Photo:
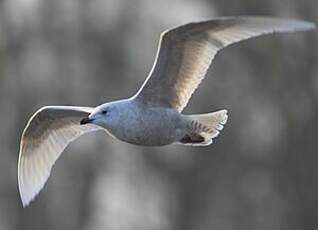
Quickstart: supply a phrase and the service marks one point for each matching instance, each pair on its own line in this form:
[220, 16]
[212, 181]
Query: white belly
[149, 127]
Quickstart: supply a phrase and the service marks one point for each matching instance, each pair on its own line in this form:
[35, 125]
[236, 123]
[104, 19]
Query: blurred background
[260, 173]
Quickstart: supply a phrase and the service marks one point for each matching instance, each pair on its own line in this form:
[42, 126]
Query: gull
[152, 117]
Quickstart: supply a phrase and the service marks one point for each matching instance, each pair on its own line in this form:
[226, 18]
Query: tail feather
[204, 127]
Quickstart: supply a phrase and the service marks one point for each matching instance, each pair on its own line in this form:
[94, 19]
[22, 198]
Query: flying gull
[152, 117]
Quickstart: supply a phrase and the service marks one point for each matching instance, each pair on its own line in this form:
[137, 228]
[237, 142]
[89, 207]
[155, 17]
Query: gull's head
[101, 116]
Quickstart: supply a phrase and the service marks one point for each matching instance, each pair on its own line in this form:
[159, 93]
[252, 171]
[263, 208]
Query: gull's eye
[104, 111]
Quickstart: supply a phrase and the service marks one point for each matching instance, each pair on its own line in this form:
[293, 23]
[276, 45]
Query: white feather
[46, 135]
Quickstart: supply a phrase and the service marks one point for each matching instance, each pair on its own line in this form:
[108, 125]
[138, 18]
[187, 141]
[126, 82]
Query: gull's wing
[46, 135]
[185, 53]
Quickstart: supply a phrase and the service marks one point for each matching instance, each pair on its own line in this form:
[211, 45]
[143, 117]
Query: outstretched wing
[46, 135]
[185, 54]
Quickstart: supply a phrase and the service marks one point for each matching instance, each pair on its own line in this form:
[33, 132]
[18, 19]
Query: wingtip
[26, 200]
[306, 25]
[297, 24]
[25, 203]
[312, 26]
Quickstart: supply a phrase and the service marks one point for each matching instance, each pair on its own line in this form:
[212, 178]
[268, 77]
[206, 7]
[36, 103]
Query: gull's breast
[149, 127]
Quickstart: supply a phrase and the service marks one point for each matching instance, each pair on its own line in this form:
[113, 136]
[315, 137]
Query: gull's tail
[204, 127]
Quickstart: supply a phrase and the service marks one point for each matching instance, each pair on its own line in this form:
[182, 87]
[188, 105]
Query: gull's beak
[86, 120]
